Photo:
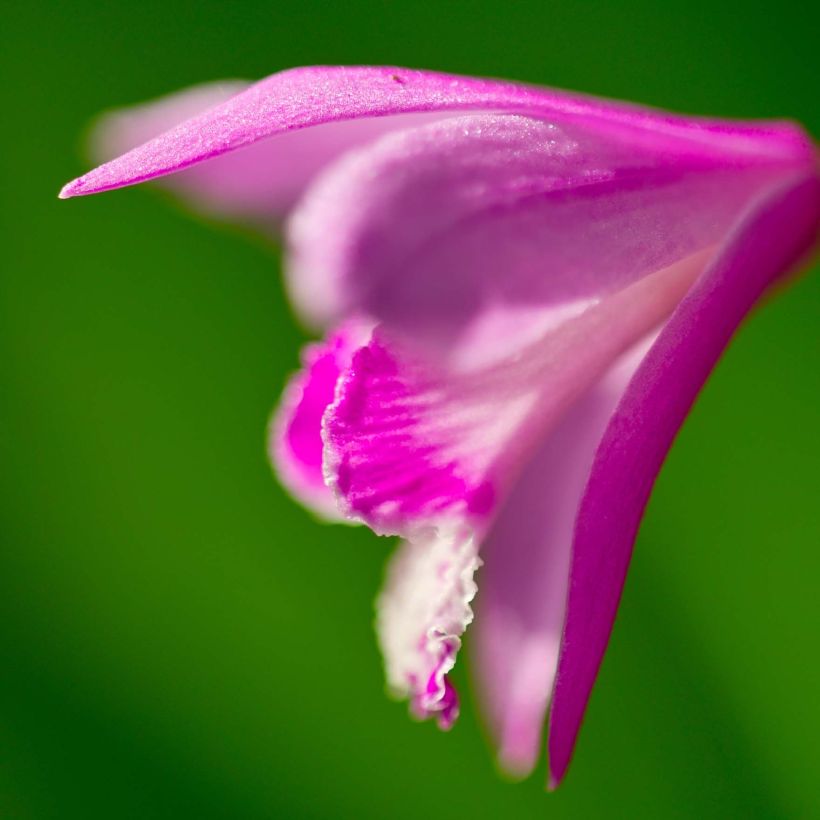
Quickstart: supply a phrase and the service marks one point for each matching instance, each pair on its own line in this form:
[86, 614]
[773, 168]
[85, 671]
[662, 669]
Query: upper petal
[306, 97]
[431, 227]
[776, 234]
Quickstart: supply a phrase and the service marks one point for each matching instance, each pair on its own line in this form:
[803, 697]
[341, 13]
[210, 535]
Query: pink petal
[259, 183]
[296, 429]
[122, 129]
[524, 582]
[772, 239]
[410, 444]
[306, 97]
[431, 227]
[421, 615]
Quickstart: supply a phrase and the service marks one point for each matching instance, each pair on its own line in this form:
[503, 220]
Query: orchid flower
[523, 292]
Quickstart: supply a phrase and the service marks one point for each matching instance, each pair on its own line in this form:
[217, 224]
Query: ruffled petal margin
[422, 613]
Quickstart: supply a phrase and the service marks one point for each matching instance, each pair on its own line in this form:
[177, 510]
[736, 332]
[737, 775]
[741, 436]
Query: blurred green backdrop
[177, 638]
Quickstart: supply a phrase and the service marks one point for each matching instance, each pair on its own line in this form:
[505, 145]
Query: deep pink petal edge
[305, 97]
[771, 240]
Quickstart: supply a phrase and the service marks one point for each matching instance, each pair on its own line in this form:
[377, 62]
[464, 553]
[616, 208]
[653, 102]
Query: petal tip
[71, 189]
[513, 768]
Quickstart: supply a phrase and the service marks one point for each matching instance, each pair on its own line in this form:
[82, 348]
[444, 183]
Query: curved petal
[526, 555]
[295, 439]
[432, 226]
[258, 184]
[422, 613]
[306, 97]
[775, 235]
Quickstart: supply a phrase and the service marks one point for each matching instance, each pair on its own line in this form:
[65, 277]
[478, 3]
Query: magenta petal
[296, 429]
[122, 129]
[305, 97]
[771, 240]
[410, 444]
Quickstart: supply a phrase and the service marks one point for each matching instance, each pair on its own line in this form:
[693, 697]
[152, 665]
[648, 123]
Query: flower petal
[117, 131]
[421, 615]
[774, 237]
[258, 184]
[305, 97]
[410, 443]
[295, 444]
[524, 581]
[431, 227]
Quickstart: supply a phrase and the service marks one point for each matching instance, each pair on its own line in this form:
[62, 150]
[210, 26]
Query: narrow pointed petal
[258, 184]
[772, 239]
[430, 228]
[526, 555]
[295, 444]
[315, 96]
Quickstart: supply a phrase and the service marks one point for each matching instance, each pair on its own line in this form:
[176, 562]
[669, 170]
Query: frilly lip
[421, 614]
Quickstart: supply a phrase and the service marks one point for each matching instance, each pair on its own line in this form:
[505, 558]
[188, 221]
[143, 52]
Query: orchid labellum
[523, 292]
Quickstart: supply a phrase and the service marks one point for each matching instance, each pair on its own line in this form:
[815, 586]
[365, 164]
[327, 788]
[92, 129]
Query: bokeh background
[177, 638]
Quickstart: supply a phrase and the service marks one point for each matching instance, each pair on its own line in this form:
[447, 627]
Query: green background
[177, 638]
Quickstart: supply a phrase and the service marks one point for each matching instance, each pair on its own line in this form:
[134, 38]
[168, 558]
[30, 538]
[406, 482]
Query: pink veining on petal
[385, 467]
[409, 444]
[773, 238]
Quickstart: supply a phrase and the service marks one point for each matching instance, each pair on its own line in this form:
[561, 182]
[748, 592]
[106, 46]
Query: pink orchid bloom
[524, 292]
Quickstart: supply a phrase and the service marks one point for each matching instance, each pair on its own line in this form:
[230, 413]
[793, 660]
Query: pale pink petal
[412, 444]
[306, 97]
[524, 582]
[429, 228]
[421, 615]
[258, 184]
[296, 428]
[771, 240]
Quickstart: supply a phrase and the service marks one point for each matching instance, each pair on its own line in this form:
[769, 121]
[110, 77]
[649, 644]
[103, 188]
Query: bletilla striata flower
[523, 292]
